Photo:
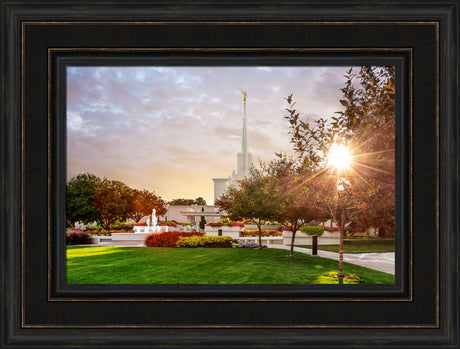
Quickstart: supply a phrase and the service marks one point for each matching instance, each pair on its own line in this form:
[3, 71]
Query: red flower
[166, 239]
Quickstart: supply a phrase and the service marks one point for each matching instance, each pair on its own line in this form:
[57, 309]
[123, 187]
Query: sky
[171, 130]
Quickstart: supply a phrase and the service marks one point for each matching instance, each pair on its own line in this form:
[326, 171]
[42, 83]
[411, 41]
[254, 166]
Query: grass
[150, 265]
[359, 246]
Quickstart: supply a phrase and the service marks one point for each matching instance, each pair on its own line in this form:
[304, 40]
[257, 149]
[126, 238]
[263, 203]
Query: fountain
[154, 220]
[152, 225]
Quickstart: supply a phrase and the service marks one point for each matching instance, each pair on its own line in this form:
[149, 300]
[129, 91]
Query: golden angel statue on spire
[244, 95]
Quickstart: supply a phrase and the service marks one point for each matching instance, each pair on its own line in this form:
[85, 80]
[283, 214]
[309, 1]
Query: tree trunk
[340, 273]
[291, 251]
[260, 234]
[381, 232]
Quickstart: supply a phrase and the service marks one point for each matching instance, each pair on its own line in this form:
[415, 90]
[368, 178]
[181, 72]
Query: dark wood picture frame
[40, 38]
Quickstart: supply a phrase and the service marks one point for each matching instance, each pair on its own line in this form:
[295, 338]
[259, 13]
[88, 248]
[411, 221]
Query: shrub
[123, 229]
[166, 239]
[312, 230]
[126, 226]
[204, 241]
[245, 244]
[286, 229]
[77, 237]
[100, 233]
[104, 232]
[331, 228]
[263, 233]
[214, 224]
[169, 224]
[202, 223]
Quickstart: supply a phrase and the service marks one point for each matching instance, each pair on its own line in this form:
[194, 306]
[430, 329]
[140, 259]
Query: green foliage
[312, 230]
[198, 201]
[143, 204]
[114, 201]
[289, 179]
[79, 202]
[204, 241]
[366, 126]
[254, 198]
[202, 223]
[91, 199]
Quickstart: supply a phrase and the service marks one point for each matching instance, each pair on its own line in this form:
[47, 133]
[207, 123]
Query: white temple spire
[244, 158]
[244, 140]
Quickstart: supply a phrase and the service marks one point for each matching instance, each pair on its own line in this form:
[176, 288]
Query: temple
[243, 163]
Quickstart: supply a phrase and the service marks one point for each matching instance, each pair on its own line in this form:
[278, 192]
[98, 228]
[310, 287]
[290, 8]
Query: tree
[79, 204]
[114, 200]
[144, 202]
[226, 202]
[370, 104]
[202, 223]
[254, 198]
[198, 201]
[295, 208]
[366, 127]
[336, 197]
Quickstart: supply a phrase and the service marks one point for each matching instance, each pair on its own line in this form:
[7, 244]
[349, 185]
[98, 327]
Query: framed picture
[195, 124]
[90, 87]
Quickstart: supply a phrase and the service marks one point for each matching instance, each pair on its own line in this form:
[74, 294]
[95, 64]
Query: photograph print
[230, 175]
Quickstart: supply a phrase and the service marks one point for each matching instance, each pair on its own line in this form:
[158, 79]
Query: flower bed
[204, 241]
[263, 233]
[245, 244]
[77, 237]
[168, 224]
[106, 232]
[166, 239]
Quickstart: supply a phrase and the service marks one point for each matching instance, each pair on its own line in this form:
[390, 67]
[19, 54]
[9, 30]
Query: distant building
[243, 163]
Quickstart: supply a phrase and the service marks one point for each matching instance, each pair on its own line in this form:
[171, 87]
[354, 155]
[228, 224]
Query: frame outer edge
[448, 181]
[12, 181]
[9, 218]
[2, 172]
[454, 150]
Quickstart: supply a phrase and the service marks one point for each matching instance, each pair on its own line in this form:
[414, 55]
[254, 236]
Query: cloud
[172, 129]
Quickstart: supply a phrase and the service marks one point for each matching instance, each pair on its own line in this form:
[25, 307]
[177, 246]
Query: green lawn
[150, 265]
[360, 246]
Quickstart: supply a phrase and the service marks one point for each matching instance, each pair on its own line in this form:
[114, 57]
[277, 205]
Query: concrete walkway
[378, 261]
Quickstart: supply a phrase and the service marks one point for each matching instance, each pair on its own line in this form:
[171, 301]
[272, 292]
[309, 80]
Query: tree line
[92, 199]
